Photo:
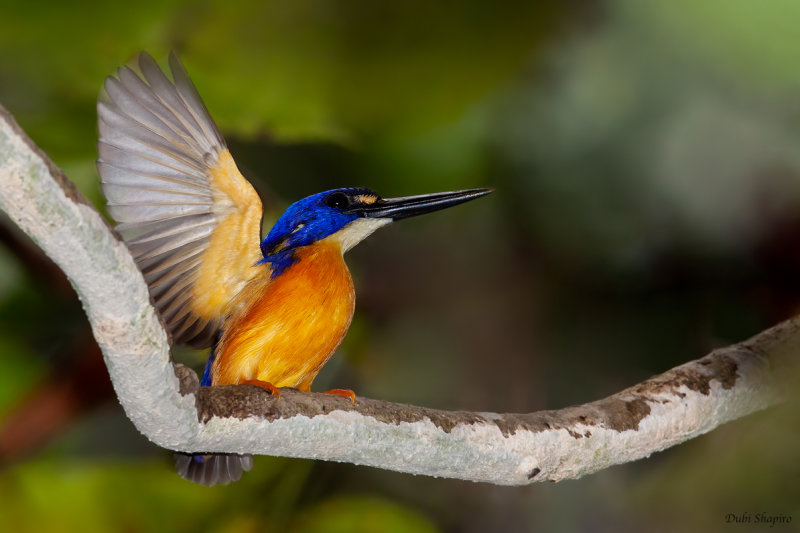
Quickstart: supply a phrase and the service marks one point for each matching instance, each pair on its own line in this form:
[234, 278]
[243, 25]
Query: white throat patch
[357, 231]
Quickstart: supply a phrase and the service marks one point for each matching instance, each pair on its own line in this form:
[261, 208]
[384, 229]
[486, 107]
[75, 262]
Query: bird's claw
[264, 385]
[346, 393]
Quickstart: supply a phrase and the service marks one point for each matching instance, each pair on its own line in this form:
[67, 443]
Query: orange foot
[264, 385]
[347, 393]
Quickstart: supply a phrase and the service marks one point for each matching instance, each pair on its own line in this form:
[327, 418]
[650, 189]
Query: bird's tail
[212, 469]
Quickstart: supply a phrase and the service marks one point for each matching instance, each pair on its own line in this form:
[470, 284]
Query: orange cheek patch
[367, 199]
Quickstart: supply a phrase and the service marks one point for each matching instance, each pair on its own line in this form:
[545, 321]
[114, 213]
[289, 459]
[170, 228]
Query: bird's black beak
[410, 206]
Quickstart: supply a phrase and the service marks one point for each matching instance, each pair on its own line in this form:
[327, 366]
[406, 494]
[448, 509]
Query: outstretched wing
[189, 217]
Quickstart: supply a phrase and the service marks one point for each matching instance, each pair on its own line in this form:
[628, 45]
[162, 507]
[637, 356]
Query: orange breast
[288, 327]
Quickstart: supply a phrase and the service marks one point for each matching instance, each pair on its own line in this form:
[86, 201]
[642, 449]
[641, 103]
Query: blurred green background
[646, 158]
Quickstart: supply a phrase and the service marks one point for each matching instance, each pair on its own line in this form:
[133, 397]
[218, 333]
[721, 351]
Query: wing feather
[189, 217]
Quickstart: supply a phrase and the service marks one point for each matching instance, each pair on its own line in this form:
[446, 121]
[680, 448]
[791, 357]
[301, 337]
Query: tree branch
[167, 405]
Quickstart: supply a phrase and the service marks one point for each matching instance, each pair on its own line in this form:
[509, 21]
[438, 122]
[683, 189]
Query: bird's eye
[337, 200]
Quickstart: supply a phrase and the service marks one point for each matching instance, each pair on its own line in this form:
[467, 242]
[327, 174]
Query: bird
[272, 311]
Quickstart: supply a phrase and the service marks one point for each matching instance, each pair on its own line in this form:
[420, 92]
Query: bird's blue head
[348, 214]
[312, 219]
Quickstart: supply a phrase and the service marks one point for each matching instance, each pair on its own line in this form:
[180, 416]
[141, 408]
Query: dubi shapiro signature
[758, 518]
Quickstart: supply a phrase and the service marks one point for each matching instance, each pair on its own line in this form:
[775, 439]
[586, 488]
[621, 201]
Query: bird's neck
[317, 264]
[343, 240]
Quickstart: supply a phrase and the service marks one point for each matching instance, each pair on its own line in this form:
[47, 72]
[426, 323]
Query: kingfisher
[271, 314]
